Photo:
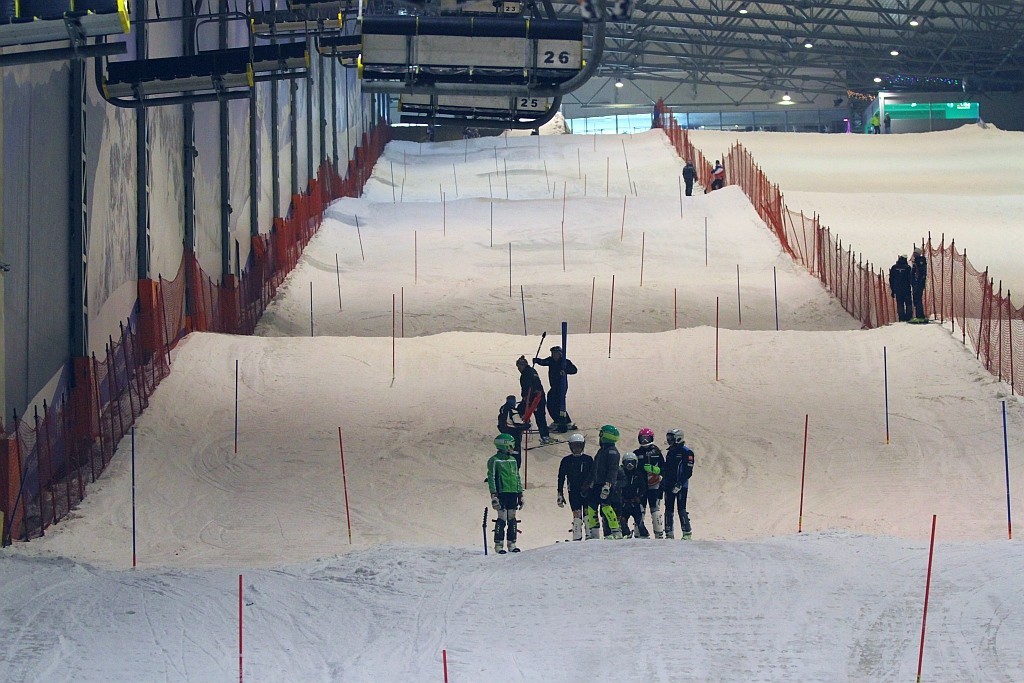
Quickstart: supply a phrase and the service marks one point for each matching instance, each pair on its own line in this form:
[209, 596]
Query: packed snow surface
[417, 318]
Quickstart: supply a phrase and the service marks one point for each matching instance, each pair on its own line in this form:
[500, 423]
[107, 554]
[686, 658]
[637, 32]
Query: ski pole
[484, 528]
[542, 335]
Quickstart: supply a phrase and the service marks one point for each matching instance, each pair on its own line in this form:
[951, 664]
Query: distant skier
[900, 286]
[559, 368]
[677, 472]
[575, 469]
[601, 491]
[633, 490]
[689, 175]
[918, 280]
[652, 462]
[717, 177]
[533, 395]
[507, 424]
[506, 492]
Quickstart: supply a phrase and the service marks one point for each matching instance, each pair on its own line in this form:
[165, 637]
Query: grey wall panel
[284, 140]
[167, 189]
[110, 177]
[301, 144]
[36, 229]
[265, 193]
[208, 190]
[238, 116]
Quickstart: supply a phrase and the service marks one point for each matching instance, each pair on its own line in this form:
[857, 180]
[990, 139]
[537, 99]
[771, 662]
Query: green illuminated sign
[932, 110]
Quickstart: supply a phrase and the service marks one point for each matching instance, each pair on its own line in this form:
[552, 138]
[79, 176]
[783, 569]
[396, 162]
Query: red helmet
[645, 436]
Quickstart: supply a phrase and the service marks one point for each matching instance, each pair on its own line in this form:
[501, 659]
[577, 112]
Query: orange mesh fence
[47, 460]
[956, 292]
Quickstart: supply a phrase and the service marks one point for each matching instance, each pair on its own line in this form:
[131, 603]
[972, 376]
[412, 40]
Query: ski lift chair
[29, 22]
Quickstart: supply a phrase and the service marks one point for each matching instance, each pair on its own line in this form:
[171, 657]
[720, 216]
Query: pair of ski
[619, 9]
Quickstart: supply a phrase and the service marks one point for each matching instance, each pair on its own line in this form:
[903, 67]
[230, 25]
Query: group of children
[606, 490]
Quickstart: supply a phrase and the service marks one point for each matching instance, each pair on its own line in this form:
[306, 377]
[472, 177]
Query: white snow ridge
[748, 599]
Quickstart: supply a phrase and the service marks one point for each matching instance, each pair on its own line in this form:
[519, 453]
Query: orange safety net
[956, 292]
[47, 460]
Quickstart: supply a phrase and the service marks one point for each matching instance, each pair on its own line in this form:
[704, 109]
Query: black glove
[495, 503]
[520, 505]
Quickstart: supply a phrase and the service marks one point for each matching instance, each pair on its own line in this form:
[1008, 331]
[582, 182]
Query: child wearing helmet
[652, 462]
[633, 487]
[677, 471]
[575, 469]
[507, 424]
[506, 491]
[602, 494]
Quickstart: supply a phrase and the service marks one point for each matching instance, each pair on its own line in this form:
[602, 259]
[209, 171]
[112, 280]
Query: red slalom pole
[803, 471]
[239, 628]
[927, 590]
[344, 484]
[675, 308]
[403, 312]
[444, 663]
[611, 314]
[622, 231]
[392, 335]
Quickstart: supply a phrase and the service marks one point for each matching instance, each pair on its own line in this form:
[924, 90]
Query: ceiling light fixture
[894, 53]
[808, 45]
[618, 84]
[786, 97]
[876, 79]
[743, 8]
[915, 22]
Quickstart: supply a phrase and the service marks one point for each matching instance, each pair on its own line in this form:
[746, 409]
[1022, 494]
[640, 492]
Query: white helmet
[629, 457]
[576, 443]
[674, 436]
[577, 438]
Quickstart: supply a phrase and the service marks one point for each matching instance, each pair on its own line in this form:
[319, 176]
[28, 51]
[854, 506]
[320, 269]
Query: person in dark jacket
[651, 461]
[633, 491]
[717, 177]
[533, 396]
[602, 494]
[900, 278]
[676, 484]
[918, 279]
[507, 424]
[575, 469]
[689, 175]
[559, 368]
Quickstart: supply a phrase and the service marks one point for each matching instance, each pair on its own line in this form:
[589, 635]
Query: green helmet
[504, 443]
[608, 434]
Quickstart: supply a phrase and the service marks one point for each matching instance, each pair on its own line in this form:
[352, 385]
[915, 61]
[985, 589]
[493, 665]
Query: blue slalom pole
[236, 405]
[565, 378]
[885, 369]
[1006, 459]
[133, 544]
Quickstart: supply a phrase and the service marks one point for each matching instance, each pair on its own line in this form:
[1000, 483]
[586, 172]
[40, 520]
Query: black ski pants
[634, 511]
[556, 406]
[918, 301]
[689, 187]
[903, 307]
[675, 501]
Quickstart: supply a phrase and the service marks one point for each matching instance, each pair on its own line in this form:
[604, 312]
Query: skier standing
[900, 286]
[918, 279]
[677, 471]
[507, 424]
[689, 175]
[506, 492]
[533, 395]
[633, 489]
[652, 462]
[575, 469]
[602, 494]
[559, 368]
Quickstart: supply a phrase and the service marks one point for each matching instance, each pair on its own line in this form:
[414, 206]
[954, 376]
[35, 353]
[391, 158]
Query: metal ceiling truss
[761, 45]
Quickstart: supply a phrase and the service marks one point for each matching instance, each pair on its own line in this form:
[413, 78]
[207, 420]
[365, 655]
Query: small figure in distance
[876, 125]
[689, 175]
[717, 177]
[506, 492]
[900, 277]
[507, 424]
[575, 470]
[652, 462]
[559, 367]
[888, 124]
[919, 278]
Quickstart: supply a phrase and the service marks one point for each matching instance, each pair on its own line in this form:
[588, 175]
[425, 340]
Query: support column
[78, 243]
[293, 87]
[309, 127]
[225, 152]
[142, 234]
[334, 112]
[254, 169]
[323, 109]
[275, 149]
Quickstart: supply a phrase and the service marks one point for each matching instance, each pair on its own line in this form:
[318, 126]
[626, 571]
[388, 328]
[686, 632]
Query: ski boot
[499, 548]
[577, 529]
[545, 440]
[616, 534]
[512, 547]
[669, 532]
[686, 536]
